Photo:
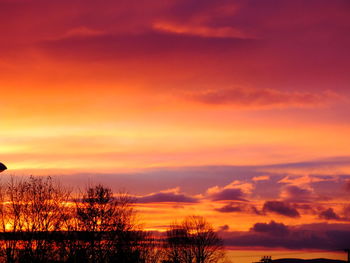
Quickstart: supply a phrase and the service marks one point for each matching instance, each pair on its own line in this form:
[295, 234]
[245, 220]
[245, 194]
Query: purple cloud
[280, 208]
[329, 214]
[163, 197]
[272, 228]
[239, 208]
[230, 208]
[314, 236]
[293, 193]
[234, 194]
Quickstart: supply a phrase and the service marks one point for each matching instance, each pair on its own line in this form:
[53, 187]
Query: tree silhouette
[193, 241]
[31, 211]
[109, 224]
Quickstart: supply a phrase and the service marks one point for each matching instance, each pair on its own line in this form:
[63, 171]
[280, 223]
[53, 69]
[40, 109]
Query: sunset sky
[237, 110]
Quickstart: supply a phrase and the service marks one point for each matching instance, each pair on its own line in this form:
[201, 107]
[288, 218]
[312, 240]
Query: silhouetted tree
[8, 251]
[193, 241]
[31, 211]
[109, 224]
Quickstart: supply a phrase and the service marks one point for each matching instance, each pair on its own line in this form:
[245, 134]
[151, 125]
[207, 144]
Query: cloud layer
[263, 98]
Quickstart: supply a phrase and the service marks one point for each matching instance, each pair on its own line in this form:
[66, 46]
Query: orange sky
[157, 95]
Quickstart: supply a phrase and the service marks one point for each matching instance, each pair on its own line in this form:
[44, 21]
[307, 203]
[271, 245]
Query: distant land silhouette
[317, 260]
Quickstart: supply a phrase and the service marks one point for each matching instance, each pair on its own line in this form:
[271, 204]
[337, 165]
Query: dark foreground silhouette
[40, 221]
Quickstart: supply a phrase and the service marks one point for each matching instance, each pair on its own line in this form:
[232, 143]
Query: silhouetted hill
[297, 260]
